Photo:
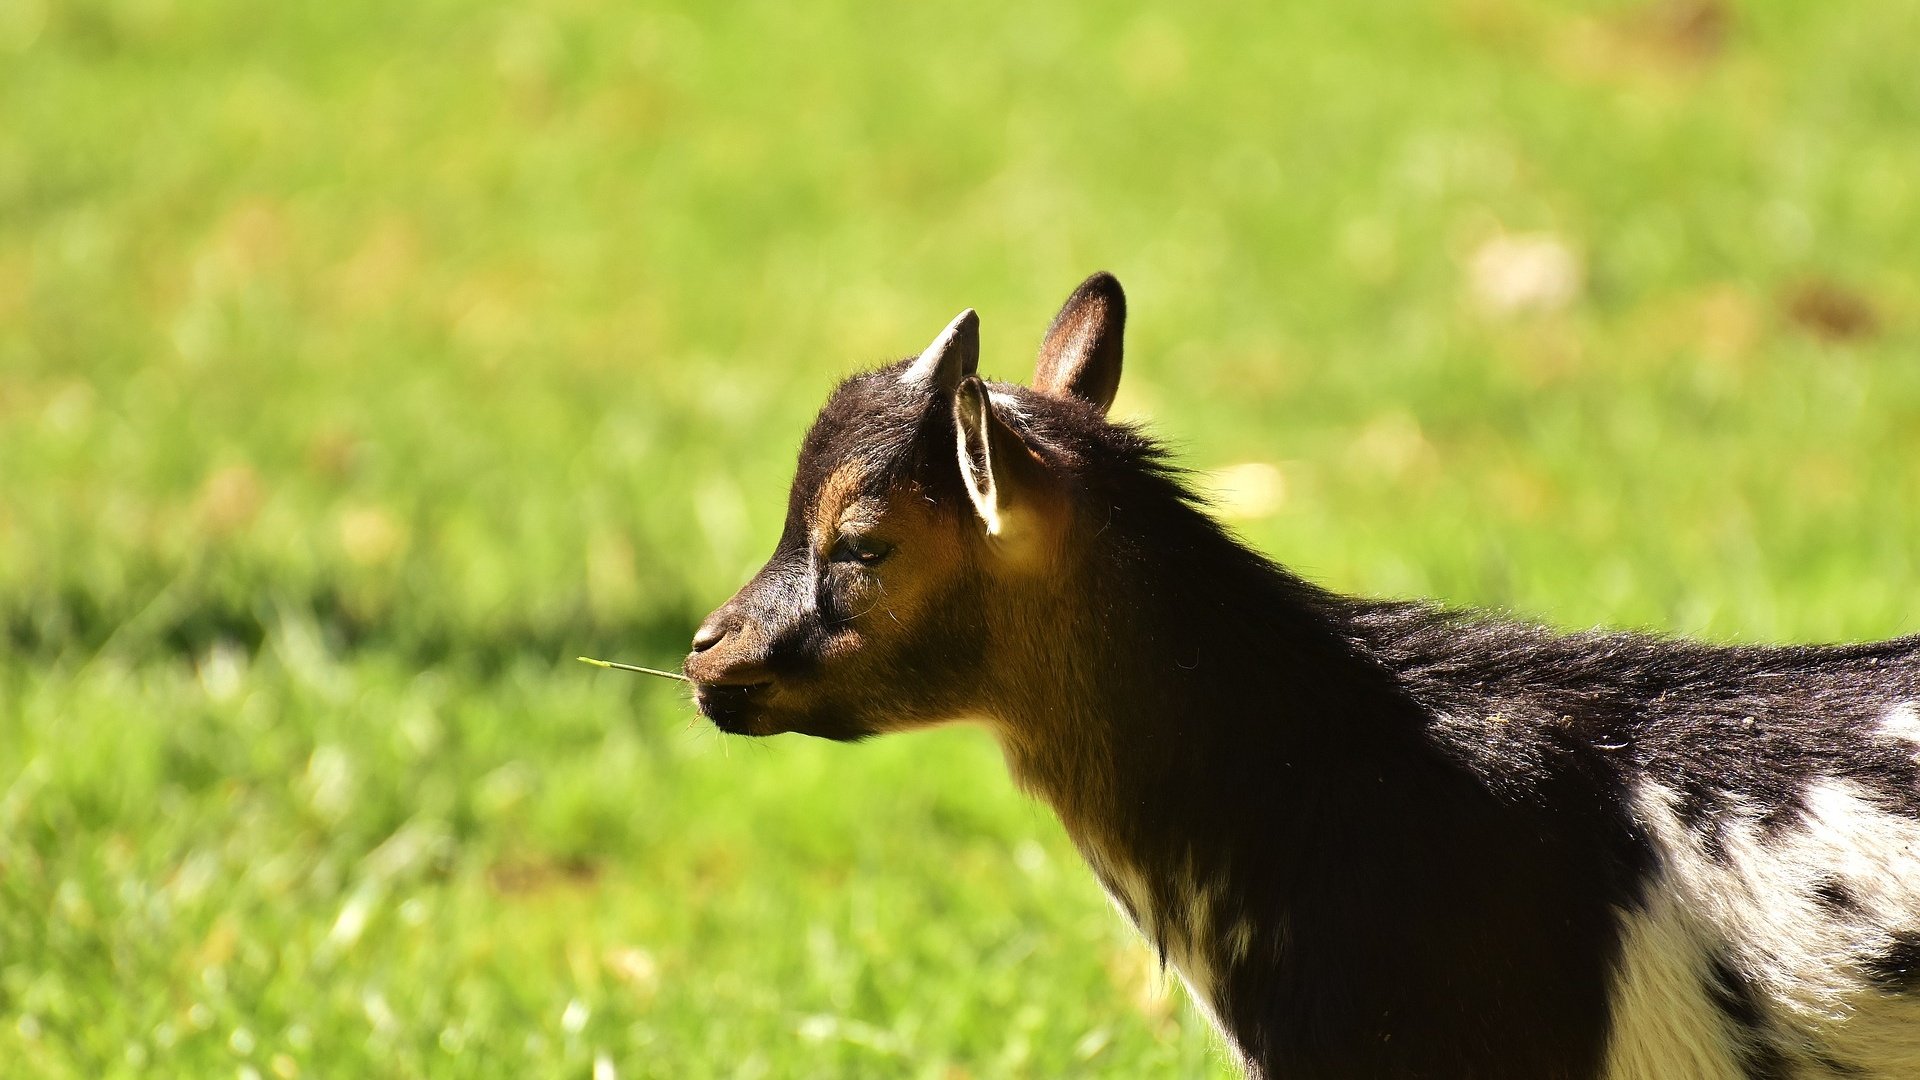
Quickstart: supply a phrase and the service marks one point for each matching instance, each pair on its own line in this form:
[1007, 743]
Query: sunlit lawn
[360, 364]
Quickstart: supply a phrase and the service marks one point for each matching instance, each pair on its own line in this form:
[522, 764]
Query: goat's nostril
[709, 634]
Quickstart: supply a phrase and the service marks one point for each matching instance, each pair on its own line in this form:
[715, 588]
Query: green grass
[361, 364]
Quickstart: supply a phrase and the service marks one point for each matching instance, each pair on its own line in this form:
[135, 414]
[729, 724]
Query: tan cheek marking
[841, 487]
[929, 552]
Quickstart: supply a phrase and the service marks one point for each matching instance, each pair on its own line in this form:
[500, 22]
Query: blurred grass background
[362, 363]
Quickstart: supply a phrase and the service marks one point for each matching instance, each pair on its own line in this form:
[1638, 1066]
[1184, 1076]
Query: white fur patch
[1185, 930]
[1126, 888]
[1005, 402]
[1902, 722]
[1240, 941]
[1664, 1022]
[1755, 905]
[1191, 947]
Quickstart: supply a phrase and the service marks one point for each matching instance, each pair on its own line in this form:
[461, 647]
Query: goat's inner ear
[1081, 354]
[995, 463]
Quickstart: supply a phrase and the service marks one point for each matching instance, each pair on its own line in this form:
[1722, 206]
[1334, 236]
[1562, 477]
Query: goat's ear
[953, 355]
[1081, 355]
[995, 464]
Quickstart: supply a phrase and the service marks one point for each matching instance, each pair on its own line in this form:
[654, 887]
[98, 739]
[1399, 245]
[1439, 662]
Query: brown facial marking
[929, 553]
[837, 493]
[908, 621]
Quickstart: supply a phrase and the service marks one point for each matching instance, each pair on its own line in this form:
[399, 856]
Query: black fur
[1896, 970]
[1834, 893]
[1737, 1000]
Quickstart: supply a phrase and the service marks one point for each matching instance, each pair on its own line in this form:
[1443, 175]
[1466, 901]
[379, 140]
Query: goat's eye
[865, 550]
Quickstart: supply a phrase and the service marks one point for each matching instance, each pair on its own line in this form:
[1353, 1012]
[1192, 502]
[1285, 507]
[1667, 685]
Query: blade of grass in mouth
[633, 667]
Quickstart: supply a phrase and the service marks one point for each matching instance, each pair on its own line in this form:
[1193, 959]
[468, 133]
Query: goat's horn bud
[953, 355]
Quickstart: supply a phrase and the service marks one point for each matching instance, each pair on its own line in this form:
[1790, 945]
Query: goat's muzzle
[729, 672]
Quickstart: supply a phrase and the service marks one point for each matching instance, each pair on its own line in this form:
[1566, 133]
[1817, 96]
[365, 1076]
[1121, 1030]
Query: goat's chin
[832, 728]
[738, 711]
[734, 710]
[818, 727]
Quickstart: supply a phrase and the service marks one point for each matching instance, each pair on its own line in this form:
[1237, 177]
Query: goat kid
[1375, 839]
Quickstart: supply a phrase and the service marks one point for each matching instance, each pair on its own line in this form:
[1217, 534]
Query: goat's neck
[1153, 705]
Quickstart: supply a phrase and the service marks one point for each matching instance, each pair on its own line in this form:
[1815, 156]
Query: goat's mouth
[753, 710]
[734, 708]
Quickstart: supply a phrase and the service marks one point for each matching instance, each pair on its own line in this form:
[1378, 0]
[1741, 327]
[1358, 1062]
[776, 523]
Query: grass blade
[633, 667]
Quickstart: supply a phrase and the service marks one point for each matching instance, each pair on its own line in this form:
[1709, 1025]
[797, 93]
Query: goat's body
[1473, 848]
[1773, 924]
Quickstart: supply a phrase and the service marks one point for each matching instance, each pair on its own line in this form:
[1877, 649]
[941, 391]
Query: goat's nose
[713, 631]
